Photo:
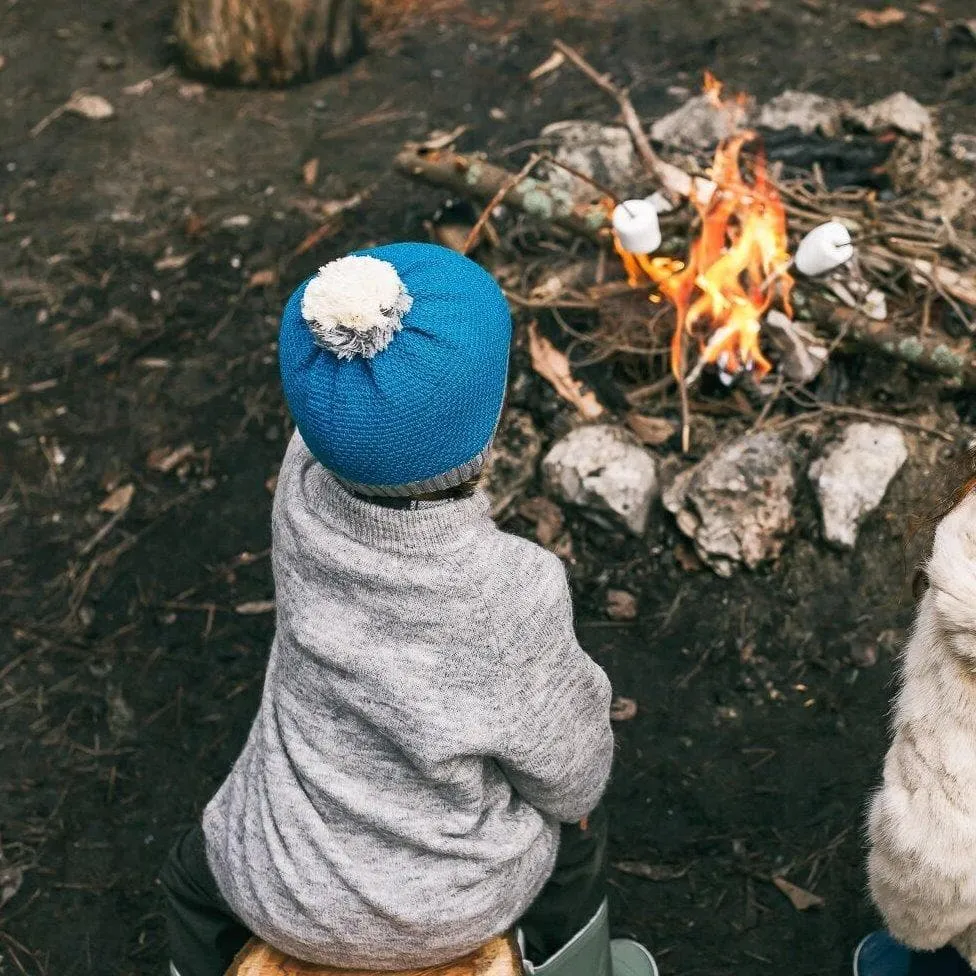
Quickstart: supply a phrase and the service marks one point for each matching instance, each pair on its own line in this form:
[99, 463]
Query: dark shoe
[880, 955]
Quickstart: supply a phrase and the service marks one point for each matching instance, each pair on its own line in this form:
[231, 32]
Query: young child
[922, 825]
[430, 731]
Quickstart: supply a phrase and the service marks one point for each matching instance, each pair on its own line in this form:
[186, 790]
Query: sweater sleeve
[922, 822]
[558, 745]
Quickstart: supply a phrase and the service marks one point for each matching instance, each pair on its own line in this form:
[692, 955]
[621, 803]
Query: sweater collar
[443, 525]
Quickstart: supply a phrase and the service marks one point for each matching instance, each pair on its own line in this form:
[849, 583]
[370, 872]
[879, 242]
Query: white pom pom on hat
[355, 305]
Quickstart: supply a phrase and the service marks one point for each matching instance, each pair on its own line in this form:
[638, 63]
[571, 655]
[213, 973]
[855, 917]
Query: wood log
[500, 957]
[267, 42]
[953, 361]
[472, 177]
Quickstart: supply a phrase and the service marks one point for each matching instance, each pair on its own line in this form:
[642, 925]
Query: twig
[683, 396]
[830, 408]
[48, 119]
[644, 393]
[769, 404]
[559, 164]
[499, 196]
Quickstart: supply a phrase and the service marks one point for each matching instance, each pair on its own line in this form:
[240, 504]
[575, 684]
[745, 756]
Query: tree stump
[267, 42]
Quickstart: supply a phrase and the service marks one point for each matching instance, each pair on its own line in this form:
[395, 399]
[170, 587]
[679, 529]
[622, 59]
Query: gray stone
[601, 466]
[852, 476]
[963, 147]
[898, 111]
[698, 124]
[737, 504]
[803, 110]
[511, 465]
[801, 354]
[605, 153]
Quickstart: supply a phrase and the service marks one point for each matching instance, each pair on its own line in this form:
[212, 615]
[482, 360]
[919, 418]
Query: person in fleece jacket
[430, 734]
[922, 823]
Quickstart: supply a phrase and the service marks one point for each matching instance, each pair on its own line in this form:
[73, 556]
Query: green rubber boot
[592, 953]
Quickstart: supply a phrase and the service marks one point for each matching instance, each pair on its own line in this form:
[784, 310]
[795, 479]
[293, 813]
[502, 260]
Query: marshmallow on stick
[826, 247]
[637, 227]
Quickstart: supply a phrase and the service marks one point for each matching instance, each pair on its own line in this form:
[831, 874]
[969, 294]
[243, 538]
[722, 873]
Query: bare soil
[143, 262]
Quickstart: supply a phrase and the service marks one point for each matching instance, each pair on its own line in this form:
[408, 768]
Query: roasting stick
[675, 181]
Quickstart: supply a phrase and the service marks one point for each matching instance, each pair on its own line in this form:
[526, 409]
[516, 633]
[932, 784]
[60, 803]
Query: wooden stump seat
[500, 957]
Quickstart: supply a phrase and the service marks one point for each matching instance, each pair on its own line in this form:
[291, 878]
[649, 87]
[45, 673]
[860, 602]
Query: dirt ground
[143, 261]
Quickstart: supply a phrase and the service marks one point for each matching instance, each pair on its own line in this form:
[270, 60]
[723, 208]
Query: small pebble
[621, 605]
[865, 657]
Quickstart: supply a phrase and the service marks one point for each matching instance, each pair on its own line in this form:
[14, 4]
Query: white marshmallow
[826, 247]
[637, 227]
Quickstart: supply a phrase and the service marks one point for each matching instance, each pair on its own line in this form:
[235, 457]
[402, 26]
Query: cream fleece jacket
[922, 823]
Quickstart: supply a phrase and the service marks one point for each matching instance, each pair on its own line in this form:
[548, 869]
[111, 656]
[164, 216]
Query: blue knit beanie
[394, 362]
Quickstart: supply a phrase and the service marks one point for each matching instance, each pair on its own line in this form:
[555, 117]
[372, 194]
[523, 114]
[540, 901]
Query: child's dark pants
[204, 936]
[945, 962]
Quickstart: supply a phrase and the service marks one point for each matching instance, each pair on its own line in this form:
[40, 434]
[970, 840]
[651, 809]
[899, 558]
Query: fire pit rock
[898, 111]
[737, 504]
[605, 153]
[601, 466]
[804, 111]
[697, 124]
[852, 476]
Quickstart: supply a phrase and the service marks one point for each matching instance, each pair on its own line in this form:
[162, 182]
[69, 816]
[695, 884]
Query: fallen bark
[479, 180]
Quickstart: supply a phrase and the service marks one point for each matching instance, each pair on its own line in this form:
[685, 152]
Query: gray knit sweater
[428, 718]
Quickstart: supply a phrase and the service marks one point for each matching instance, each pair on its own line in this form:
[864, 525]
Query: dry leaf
[317, 236]
[441, 140]
[310, 171]
[163, 459]
[263, 279]
[11, 878]
[118, 500]
[332, 208]
[653, 431]
[687, 558]
[92, 107]
[454, 236]
[651, 872]
[555, 60]
[554, 367]
[876, 19]
[172, 262]
[800, 898]
[253, 607]
[547, 516]
[622, 709]
[140, 88]
[192, 91]
[194, 225]
[621, 605]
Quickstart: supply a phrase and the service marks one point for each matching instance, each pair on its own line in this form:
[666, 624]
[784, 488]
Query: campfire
[737, 266]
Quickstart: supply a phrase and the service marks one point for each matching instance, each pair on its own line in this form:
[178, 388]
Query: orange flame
[736, 268]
